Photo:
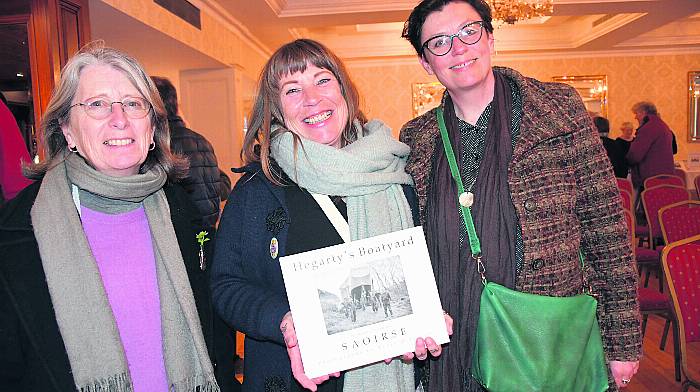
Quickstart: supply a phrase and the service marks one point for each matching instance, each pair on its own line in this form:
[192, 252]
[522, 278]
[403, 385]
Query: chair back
[680, 173]
[663, 179]
[626, 200]
[625, 185]
[629, 219]
[655, 198]
[681, 261]
[680, 220]
[697, 185]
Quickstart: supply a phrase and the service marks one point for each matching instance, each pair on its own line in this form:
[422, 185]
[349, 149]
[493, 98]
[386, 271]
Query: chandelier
[511, 11]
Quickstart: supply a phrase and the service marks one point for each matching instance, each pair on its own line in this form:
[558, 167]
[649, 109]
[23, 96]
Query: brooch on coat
[274, 223]
[201, 239]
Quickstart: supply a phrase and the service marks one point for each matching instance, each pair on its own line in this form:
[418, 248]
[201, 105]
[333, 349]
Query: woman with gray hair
[102, 281]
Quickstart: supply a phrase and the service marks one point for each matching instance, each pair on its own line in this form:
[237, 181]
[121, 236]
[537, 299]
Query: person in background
[625, 139]
[206, 184]
[307, 136]
[617, 159]
[101, 285]
[651, 151]
[542, 189]
[13, 152]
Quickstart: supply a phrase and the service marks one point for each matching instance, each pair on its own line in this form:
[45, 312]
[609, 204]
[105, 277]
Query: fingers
[288, 331]
[448, 323]
[623, 371]
[433, 348]
[298, 369]
[407, 357]
[421, 351]
[319, 380]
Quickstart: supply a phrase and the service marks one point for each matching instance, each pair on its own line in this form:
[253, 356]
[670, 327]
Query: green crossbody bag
[528, 342]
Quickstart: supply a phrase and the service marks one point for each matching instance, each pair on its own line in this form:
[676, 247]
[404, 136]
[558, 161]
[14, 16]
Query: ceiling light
[511, 11]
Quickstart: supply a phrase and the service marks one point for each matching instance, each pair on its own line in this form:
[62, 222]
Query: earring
[152, 146]
[73, 149]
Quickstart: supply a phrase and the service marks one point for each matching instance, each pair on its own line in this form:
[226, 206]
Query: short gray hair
[58, 111]
[646, 107]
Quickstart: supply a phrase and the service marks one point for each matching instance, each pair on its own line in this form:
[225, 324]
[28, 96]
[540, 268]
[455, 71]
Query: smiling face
[313, 105]
[116, 145]
[464, 67]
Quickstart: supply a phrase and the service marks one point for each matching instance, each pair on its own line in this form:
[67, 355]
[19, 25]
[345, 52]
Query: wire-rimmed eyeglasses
[99, 109]
[469, 34]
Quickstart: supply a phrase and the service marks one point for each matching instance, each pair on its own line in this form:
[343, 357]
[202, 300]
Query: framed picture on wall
[426, 96]
[593, 90]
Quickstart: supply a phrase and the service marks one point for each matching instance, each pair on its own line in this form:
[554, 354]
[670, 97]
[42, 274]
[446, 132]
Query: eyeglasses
[442, 44]
[99, 109]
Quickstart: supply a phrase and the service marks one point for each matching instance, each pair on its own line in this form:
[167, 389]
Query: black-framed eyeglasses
[99, 109]
[442, 44]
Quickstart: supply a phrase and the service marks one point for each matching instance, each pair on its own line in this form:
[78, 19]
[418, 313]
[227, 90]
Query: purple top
[131, 284]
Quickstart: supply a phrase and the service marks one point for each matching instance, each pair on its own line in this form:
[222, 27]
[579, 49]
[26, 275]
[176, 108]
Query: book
[363, 301]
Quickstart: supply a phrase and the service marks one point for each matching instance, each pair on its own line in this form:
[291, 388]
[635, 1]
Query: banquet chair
[678, 172]
[655, 302]
[626, 200]
[697, 185]
[680, 220]
[664, 179]
[641, 231]
[625, 184]
[653, 199]
[681, 261]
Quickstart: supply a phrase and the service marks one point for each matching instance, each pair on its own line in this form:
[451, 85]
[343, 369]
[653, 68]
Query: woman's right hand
[290, 340]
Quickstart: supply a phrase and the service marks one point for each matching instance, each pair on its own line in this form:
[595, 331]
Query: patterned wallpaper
[662, 79]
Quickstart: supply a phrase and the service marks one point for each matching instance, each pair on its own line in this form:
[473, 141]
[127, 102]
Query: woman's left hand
[427, 345]
[290, 340]
[623, 372]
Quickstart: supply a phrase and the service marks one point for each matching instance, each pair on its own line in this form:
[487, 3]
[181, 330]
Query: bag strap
[336, 218]
[474, 243]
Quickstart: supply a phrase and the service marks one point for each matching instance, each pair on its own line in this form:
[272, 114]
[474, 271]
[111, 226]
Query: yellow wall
[386, 87]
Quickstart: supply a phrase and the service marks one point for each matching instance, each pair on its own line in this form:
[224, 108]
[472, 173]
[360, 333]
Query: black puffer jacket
[206, 184]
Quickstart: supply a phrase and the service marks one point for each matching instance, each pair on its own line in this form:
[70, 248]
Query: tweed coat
[566, 199]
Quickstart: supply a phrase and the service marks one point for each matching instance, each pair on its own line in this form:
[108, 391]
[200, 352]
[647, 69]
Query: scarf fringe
[117, 383]
[196, 383]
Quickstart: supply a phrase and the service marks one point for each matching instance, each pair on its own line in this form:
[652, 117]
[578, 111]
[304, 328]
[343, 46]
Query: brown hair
[58, 111]
[267, 109]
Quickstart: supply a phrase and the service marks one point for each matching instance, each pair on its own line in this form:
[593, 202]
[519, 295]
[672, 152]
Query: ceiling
[357, 29]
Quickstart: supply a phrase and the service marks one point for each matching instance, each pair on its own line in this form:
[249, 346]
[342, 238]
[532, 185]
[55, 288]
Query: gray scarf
[368, 173]
[82, 309]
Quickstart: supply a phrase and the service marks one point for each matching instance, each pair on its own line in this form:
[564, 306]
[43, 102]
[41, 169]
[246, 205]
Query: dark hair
[602, 124]
[167, 93]
[413, 27]
[267, 109]
[58, 111]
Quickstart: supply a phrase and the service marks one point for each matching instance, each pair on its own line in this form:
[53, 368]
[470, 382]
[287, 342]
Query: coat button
[537, 264]
[530, 205]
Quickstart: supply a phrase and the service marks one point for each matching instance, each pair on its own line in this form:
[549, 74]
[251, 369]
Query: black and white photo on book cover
[363, 301]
